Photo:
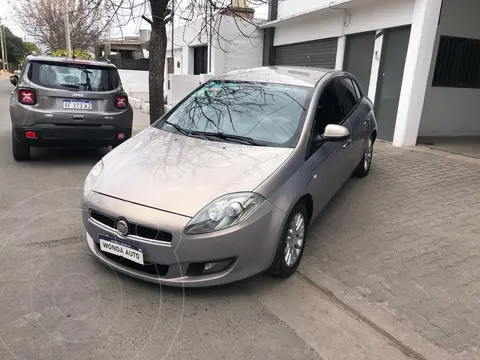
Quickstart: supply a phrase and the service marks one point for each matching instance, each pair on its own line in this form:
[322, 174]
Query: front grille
[134, 229]
[153, 269]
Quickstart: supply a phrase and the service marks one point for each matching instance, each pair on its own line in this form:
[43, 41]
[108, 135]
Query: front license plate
[117, 247]
[77, 104]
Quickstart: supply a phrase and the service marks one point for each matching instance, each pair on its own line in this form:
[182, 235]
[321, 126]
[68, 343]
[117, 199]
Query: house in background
[202, 50]
[126, 52]
[418, 60]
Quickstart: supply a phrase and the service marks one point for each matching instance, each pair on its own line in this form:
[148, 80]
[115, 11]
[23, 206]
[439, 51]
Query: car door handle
[347, 143]
[366, 121]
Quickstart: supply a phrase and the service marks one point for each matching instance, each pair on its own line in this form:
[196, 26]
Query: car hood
[181, 174]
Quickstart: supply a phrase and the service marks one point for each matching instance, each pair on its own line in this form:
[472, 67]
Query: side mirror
[14, 80]
[335, 133]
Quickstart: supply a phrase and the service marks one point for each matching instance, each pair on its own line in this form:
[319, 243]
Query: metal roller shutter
[320, 53]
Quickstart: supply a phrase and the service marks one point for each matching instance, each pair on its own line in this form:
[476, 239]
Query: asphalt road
[58, 302]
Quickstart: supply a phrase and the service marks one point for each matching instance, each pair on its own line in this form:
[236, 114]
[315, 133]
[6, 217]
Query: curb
[398, 332]
[146, 107]
[136, 103]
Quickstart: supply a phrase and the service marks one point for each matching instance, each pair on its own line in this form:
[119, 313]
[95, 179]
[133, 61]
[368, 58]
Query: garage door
[318, 53]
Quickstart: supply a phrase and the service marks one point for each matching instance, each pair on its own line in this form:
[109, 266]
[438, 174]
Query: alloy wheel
[295, 239]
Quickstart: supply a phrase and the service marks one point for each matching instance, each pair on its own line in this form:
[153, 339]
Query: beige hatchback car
[225, 184]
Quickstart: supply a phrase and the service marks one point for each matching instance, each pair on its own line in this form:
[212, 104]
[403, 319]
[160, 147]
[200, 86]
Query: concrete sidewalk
[402, 250]
[141, 121]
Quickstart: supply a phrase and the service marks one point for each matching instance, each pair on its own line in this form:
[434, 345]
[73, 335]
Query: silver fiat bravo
[225, 184]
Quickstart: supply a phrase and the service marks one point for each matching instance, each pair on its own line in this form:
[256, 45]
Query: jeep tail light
[27, 97]
[30, 134]
[121, 101]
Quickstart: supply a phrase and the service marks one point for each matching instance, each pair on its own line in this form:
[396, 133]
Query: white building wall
[361, 16]
[240, 51]
[235, 44]
[287, 8]
[453, 111]
[135, 83]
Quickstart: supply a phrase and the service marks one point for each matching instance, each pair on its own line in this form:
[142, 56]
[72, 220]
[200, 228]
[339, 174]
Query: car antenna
[306, 62]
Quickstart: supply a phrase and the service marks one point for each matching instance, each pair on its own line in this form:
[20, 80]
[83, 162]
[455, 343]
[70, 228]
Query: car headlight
[92, 178]
[224, 212]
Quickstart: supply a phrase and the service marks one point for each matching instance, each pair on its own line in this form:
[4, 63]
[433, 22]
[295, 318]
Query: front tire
[363, 167]
[291, 244]
[20, 151]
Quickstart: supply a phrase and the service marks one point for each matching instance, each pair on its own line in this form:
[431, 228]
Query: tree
[44, 21]
[15, 47]
[207, 13]
[77, 53]
[31, 47]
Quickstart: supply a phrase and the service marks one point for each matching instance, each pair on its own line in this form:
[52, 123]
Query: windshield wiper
[73, 86]
[227, 137]
[184, 131]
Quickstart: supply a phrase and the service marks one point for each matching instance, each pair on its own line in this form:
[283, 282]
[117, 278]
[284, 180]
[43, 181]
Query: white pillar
[218, 58]
[377, 55]
[426, 14]
[342, 40]
[187, 60]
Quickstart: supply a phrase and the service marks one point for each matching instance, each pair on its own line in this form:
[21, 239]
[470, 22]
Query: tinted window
[269, 113]
[348, 96]
[328, 109]
[74, 76]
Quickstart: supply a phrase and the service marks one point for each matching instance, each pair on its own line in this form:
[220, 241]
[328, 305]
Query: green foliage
[15, 47]
[29, 48]
[78, 54]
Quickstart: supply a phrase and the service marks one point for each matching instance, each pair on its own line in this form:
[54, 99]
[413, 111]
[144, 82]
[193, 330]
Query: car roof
[287, 75]
[70, 61]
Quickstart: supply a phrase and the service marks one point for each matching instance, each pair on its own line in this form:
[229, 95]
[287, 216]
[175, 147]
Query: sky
[131, 28]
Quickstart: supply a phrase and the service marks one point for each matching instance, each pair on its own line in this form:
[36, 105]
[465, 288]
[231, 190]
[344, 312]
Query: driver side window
[328, 111]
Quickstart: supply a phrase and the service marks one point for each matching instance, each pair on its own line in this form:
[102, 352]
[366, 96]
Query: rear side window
[66, 76]
[348, 96]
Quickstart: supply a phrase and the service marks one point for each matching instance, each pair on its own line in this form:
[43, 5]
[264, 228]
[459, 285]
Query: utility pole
[5, 45]
[3, 49]
[173, 32]
[67, 30]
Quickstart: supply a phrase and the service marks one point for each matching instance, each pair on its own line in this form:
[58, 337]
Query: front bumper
[72, 135]
[249, 247]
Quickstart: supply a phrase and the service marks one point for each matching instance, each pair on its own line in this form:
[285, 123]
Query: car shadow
[61, 156]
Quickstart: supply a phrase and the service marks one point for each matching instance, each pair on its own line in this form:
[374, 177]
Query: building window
[458, 63]
[170, 64]
[200, 60]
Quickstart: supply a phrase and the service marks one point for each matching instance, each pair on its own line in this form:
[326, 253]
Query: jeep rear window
[68, 76]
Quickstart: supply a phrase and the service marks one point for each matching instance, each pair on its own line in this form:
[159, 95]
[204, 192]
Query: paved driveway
[409, 240]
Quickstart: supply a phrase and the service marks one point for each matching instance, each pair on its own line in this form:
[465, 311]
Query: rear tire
[363, 167]
[292, 241]
[20, 151]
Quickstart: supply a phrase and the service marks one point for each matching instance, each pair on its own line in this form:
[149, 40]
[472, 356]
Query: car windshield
[83, 77]
[259, 113]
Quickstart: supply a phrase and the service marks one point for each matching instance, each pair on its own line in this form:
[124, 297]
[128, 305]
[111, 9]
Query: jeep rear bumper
[72, 135]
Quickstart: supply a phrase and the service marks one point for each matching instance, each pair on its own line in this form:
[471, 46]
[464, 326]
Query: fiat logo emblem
[122, 227]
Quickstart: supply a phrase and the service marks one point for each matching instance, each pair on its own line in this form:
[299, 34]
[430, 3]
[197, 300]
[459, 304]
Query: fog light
[121, 136]
[30, 134]
[198, 269]
[208, 266]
